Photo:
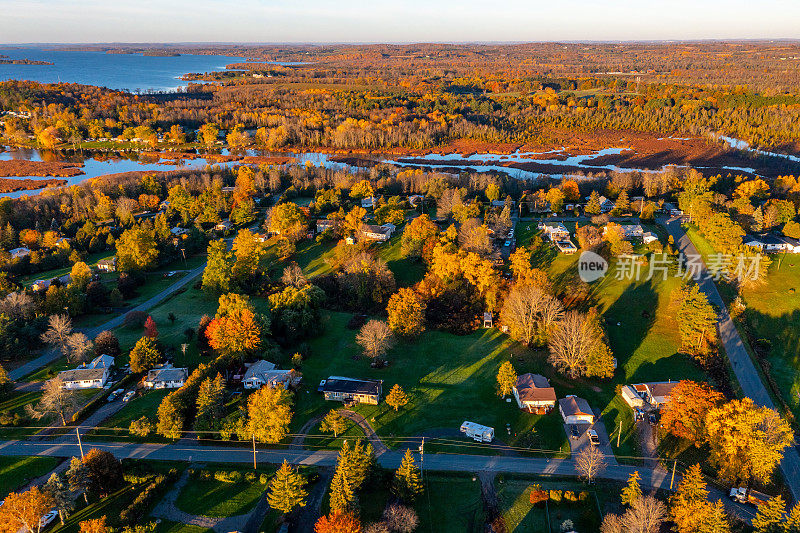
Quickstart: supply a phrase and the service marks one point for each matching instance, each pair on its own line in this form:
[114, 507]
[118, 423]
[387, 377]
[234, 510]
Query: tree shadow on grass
[630, 318]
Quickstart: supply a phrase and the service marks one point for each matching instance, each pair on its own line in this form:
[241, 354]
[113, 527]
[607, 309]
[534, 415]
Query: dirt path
[377, 444]
[491, 503]
[312, 511]
[297, 442]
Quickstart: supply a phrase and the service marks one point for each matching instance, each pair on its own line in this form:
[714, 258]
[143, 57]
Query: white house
[575, 410]
[631, 397]
[263, 373]
[772, 243]
[534, 393]
[326, 224]
[166, 377]
[656, 393]
[648, 237]
[93, 375]
[225, 225]
[342, 389]
[377, 233]
[19, 252]
[368, 202]
[555, 231]
[108, 265]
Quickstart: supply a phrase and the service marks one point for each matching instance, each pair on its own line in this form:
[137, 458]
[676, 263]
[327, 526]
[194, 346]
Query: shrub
[263, 479]
[583, 496]
[538, 495]
[225, 476]
[569, 496]
[141, 427]
[135, 319]
[135, 512]
[555, 495]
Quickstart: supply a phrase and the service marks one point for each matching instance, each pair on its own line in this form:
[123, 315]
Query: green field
[209, 497]
[18, 471]
[145, 404]
[451, 503]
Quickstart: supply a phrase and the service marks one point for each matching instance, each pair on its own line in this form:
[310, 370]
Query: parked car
[321, 386]
[593, 437]
[128, 396]
[507, 243]
[652, 419]
[574, 432]
[745, 495]
[46, 519]
[638, 414]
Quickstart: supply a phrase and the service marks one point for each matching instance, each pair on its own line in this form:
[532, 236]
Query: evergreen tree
[79, 477]
[506, 379]
[632, 491]
[342, 496]
[407, 484]
[357, 462]
[287, 489]
[593, 207]
[792, 524]
[770, 516]
[713, 519]
[59, 492]
[623, 203]
[397, 397]
[210, 408]
[758, 220]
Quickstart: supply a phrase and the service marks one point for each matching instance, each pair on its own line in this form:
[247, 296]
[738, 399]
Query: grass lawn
[449, 379]
[142, 405]
[91, 260]
[451, 503]
[111, 507]
[49, 371]
[17, 471]
[209, 497]
[773, 313]
[167, 526]
[521, 516]
[642, 332]
[14, 404]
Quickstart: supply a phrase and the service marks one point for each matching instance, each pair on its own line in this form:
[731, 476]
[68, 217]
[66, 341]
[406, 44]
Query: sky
[338, 21]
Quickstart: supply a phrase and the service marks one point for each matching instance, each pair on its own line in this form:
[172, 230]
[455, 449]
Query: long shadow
[635, 312]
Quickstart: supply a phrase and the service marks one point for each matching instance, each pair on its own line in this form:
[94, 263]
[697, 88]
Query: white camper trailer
[477, 432]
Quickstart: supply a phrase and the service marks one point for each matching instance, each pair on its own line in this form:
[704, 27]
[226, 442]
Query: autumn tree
[59, 329]
[105, 471]
[208, 134]
[96, 525]
[530, 313]
[418, 232]
[293, 275]
[287, 221]
[354, 220]
[632, 491]
[590, 463]
[342, 494]
[397, 397]
[78, 477]
[696, 319]
[80, 275]
[56, 400]
[770, 517]
[407, 483]
[150, 328]
[219, 268]
[287, 489]
[406, 312]
[645, 515]
[376, 338]
[506, 379]
[249, 253]
[269, 414]
[334, 423]
[58, 490]
[593, 206]
[338, 522]
[690, 509]
[578, 346]
[685, 414]
[238, 332]
[145, 354]
[210, 403]
[747, 441]
[136, 249]
[23, 511]
[106, 343]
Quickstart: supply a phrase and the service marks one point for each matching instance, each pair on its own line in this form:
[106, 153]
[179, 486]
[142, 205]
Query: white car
[128, 396]
[593, 437]
[46, 519]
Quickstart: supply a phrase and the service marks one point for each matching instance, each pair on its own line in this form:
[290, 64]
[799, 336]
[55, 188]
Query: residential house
[606, 205]
[415, 199]
[631, 397]
[377, 233]
[177, 232]
[341, 389]
[93, 375]
[108, 265]
[502, 203]
[770, 243]
[63, 242]
[44, 284]
[656, 394]
[324, 224]
[555, 231]
[629, 231]
[671, 210]
[19, 252]
[648, 237]
[367, 203]
[263, 373]
[566, 246]
[166, 377]
[575, 410]
[225, 225]
[534, 393]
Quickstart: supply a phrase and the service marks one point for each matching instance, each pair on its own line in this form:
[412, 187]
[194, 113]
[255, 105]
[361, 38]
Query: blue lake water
[132, 72]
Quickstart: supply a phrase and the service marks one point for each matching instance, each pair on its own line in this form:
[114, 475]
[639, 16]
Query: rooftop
[352, 386]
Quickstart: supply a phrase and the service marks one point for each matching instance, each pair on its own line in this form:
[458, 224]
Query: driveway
[742, 365]
[577, 445]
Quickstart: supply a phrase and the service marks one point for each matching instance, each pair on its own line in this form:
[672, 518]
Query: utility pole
[80, 446]
[671, 481]
[619, 433]
[255, 467]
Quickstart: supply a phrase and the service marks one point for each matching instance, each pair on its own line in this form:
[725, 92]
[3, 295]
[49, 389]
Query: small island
[22, 61]
[24, 168]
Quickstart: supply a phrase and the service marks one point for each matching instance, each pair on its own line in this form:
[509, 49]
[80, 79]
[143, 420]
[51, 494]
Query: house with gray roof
[166, 377]
[92, 375]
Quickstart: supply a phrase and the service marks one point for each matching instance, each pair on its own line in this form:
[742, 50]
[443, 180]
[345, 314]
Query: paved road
[743, 366]
[651, 478]
[52, 355]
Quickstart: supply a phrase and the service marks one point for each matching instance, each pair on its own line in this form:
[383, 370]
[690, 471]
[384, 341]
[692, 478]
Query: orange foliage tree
[24, 510]
[237, 332]
[338, 522]
[685, 414]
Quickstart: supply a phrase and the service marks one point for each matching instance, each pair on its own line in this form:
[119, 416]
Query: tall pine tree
[407, 484]
[342, 497]
[287, 489]
[632, 491]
